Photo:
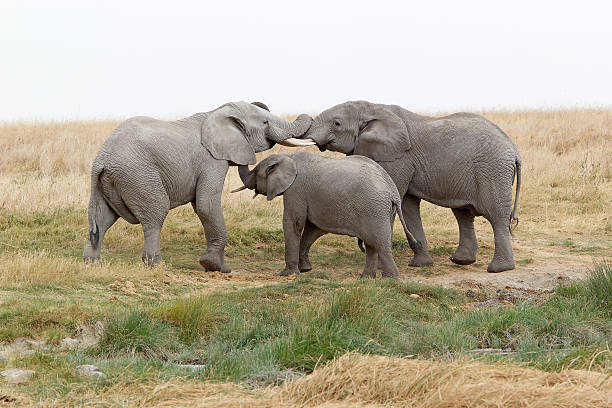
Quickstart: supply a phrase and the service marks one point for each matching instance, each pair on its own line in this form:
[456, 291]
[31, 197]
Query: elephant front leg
[210, 213]
[292, 230]
[309, 236]
[468, 244]
[412, 215]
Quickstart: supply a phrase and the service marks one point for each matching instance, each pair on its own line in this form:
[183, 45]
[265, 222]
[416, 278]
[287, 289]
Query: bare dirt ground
[537, 278]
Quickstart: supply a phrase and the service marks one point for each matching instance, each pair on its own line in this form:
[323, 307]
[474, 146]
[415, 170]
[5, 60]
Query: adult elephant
[147, 167]
[461, 161]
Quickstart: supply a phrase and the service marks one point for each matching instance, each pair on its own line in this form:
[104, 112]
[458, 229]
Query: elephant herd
[395, 158]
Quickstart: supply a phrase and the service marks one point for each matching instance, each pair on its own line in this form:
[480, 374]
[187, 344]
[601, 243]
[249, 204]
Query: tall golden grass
[567, 166]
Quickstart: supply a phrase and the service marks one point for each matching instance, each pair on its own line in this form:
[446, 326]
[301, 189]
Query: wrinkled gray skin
[147, 167]
[461, 161]
[349, 196]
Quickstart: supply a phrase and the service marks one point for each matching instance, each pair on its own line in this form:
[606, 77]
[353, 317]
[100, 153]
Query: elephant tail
[414, 244]
[94, 206]
[513, 215]
[360, 245]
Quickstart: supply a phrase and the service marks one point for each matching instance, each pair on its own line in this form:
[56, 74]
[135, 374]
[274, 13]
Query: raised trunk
[288, 133]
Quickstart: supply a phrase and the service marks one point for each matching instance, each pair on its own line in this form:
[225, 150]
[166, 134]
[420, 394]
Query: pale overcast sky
[115, 59]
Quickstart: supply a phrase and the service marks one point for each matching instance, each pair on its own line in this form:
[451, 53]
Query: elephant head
[271, 177]
[237, 130]
[363, 128]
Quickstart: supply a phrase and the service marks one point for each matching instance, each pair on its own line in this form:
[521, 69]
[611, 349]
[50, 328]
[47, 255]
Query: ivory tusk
[238, 189]
[293, 142]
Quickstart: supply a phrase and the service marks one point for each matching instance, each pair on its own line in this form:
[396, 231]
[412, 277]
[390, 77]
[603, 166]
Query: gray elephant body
[461, 161]
[147, 167]
[349, 196]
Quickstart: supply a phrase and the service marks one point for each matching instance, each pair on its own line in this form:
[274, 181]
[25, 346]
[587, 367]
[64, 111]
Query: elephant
[349, 196]
[461, 161]
[147, 167]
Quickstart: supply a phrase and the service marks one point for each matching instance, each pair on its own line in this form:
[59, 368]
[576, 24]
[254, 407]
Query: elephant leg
[151, 253]
[293, 226]
[208, 208]
[210, 214]
[468, 244]
[105, 219]
[503, 258]
[412, 215]
[388, 266]
[309, 236]
[369, 270]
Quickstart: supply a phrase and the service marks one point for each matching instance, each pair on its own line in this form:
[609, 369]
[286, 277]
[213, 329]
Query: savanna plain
[440, 336]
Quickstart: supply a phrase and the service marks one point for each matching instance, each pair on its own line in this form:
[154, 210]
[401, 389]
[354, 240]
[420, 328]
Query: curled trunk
[289, 133]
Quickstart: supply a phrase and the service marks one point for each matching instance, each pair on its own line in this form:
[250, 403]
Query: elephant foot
[289, 271]
[90, 259]
[461, 257]
[421, 259]
[389, 275]
[151, 260]
[368, 275]
[495, 267]
[211, 262]
[90, 255]
[305, 266]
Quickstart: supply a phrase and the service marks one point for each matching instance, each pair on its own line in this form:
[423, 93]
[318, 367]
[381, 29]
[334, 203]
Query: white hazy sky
[115, 59]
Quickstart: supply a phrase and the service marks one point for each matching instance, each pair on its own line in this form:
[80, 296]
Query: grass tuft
[135, 333]
[599, 286]
[194, 317]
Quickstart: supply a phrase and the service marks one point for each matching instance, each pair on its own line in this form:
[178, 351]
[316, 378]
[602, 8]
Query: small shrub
[136, 333]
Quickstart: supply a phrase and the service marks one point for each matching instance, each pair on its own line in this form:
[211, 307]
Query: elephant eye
[265, 122]
[336, 123]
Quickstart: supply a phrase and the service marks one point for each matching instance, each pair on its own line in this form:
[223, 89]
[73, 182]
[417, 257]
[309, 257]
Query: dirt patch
[541, 278]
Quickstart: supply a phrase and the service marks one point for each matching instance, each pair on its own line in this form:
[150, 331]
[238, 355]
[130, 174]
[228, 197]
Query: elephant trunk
[317, 133]
[247, 176]
[289, 133]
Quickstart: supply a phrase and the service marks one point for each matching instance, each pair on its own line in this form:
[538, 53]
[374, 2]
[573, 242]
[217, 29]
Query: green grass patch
[136, 333]
[194, 317]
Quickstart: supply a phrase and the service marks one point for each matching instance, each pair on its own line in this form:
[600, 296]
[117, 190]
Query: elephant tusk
[238, 189]
[293, 142]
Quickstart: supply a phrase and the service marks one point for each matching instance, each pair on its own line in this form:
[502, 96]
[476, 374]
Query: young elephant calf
[350, 196]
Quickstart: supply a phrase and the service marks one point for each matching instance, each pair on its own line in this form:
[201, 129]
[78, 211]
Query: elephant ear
[281, 172]
[223, 135]
[383, 135]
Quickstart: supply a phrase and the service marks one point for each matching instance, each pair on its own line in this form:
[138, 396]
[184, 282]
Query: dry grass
[566, 192]
[18, 269]
[374, 381]
[567, 171]
[418, 383]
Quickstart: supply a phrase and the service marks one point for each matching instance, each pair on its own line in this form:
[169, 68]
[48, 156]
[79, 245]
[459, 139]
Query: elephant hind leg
[468, 244]
[371, 265]
[149, 205]
[412, 215]
[151, 253]
[105, 217]
[503, 258]
[388, 266]
[309, 236]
